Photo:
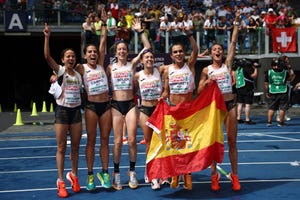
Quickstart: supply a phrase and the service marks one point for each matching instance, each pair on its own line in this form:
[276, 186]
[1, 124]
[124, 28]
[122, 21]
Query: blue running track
[268, 168]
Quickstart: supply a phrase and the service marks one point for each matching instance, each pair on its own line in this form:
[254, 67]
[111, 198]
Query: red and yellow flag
[187, 137]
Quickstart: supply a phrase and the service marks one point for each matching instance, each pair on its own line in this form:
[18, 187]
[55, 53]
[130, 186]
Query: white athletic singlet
[122, 77]
[150, 86]
[71, 86]
[223, 78]
[95, 80]
[181, 81]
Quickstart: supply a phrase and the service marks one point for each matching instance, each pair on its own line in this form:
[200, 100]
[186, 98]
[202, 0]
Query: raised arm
[51, 62]
[136, 26]
[103, 38]
[231, 52]
[194, 55]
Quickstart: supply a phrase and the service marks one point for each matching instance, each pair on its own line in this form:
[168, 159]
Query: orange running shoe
[236, 186]
[174, 182]
[74, 182]
[215, 186]
[188, 184]
[61, 189]
[143, 141]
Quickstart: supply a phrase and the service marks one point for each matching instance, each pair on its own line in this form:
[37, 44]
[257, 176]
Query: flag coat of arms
[284, 39]
[187, 137]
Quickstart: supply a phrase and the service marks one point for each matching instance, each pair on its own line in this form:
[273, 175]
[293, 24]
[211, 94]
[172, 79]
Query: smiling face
[177, 53]
[217, 52]
[91, 55]
[147, 60]
[69, 58]
[121, 51]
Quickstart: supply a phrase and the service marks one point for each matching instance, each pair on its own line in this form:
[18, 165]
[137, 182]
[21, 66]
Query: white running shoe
[133, 182]
[155, 184]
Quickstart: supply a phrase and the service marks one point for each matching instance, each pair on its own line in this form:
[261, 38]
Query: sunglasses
[178, 51]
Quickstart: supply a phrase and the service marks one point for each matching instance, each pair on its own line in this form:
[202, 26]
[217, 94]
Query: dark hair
[86, 46]
[62, 54]
[146, 51]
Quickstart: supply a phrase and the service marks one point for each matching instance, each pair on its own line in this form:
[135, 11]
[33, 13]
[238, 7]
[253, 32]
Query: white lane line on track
[139, 166]
[143, 153]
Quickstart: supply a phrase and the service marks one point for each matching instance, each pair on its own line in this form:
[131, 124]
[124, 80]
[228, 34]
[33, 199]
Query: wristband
[235, 23]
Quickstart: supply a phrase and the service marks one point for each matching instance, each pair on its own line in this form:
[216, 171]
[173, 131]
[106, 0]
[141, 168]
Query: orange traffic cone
[19, 121]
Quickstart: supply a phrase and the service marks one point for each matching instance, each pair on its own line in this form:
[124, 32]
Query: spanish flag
[187, 137]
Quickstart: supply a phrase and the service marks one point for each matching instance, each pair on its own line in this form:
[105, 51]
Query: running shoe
[74, 182]
[125, 141]
[269, 124]
[164, 181]
[133, 182]
[281, 124]
[155, 184]
[240, 121]
[143, 141]
[90, 185]
[174, 182]
[116, 184]
[250, 122]
[104, 178]
[188, 184]
[215, 186]
[61, 189]
[146, 178]
[236, 186]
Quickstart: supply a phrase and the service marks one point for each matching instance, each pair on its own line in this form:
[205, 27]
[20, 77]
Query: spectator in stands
[88, 30]
[112, 31]
[187, 24]
[162, 32]
[98, 27]
[114, 9]
[242, 34]
[245, 75]
[123, 107]
[123, 31]
[198, 22]
[153, 27]
[169, 10]
[207, 3]
[209, 27]
[210, 12]
[221, 72]
[175, 30]
[255, 14]
[270, 21]
[134, 6]
[67, 114]
[221, 30]
[276, 89]
[253, 34]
